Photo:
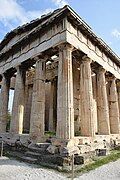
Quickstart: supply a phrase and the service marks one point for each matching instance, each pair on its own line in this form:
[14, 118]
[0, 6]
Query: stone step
[43, 145]
[33, 157]
[22, 157]
[39, 147]
[45, 159]
[33, 154]
[29, 159]
[37, 150]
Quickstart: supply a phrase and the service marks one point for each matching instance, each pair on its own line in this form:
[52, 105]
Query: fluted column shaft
[86, 98]
[37, 120]
[27, 111]
[119, 99]
[114, 108]
[4, 98]
[65, 110]
[16, 125]
[102, 104]
[52, 120]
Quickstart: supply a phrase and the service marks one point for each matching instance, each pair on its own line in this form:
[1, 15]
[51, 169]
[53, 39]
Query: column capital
[65, 46]
[85, 59]
[41, 58]
[118, 82]
[101, 70]
[111, 78]
[5, 75]
[21, 70]
[17, 66]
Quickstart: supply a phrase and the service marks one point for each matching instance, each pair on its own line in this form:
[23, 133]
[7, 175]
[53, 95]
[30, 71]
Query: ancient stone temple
[66, 81]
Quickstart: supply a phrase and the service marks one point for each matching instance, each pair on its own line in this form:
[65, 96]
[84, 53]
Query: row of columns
[108, 117]
[16, 125]
[107, 108]
[107, 105]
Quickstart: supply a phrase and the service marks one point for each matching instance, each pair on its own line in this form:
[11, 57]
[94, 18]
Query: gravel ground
[15, 170]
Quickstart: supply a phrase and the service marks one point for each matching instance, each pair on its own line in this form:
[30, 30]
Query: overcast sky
[102, 15]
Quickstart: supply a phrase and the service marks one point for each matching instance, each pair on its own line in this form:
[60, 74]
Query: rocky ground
[15, 170]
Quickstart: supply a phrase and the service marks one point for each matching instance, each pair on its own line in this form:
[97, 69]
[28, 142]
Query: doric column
[37, 120]
[102, 104]
[113, 108]
[65, 110]
[94, 80]
[86, 98]
[52, 118]
[16, 125]
[118, 88]
[4, 102]
[27, 111]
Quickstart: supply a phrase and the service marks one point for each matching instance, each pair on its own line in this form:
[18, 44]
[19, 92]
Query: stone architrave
[65, 109]
[114, 108]
[16, 125]
[37, 120]
[102, 104]
[4, 102]
[86, 98]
